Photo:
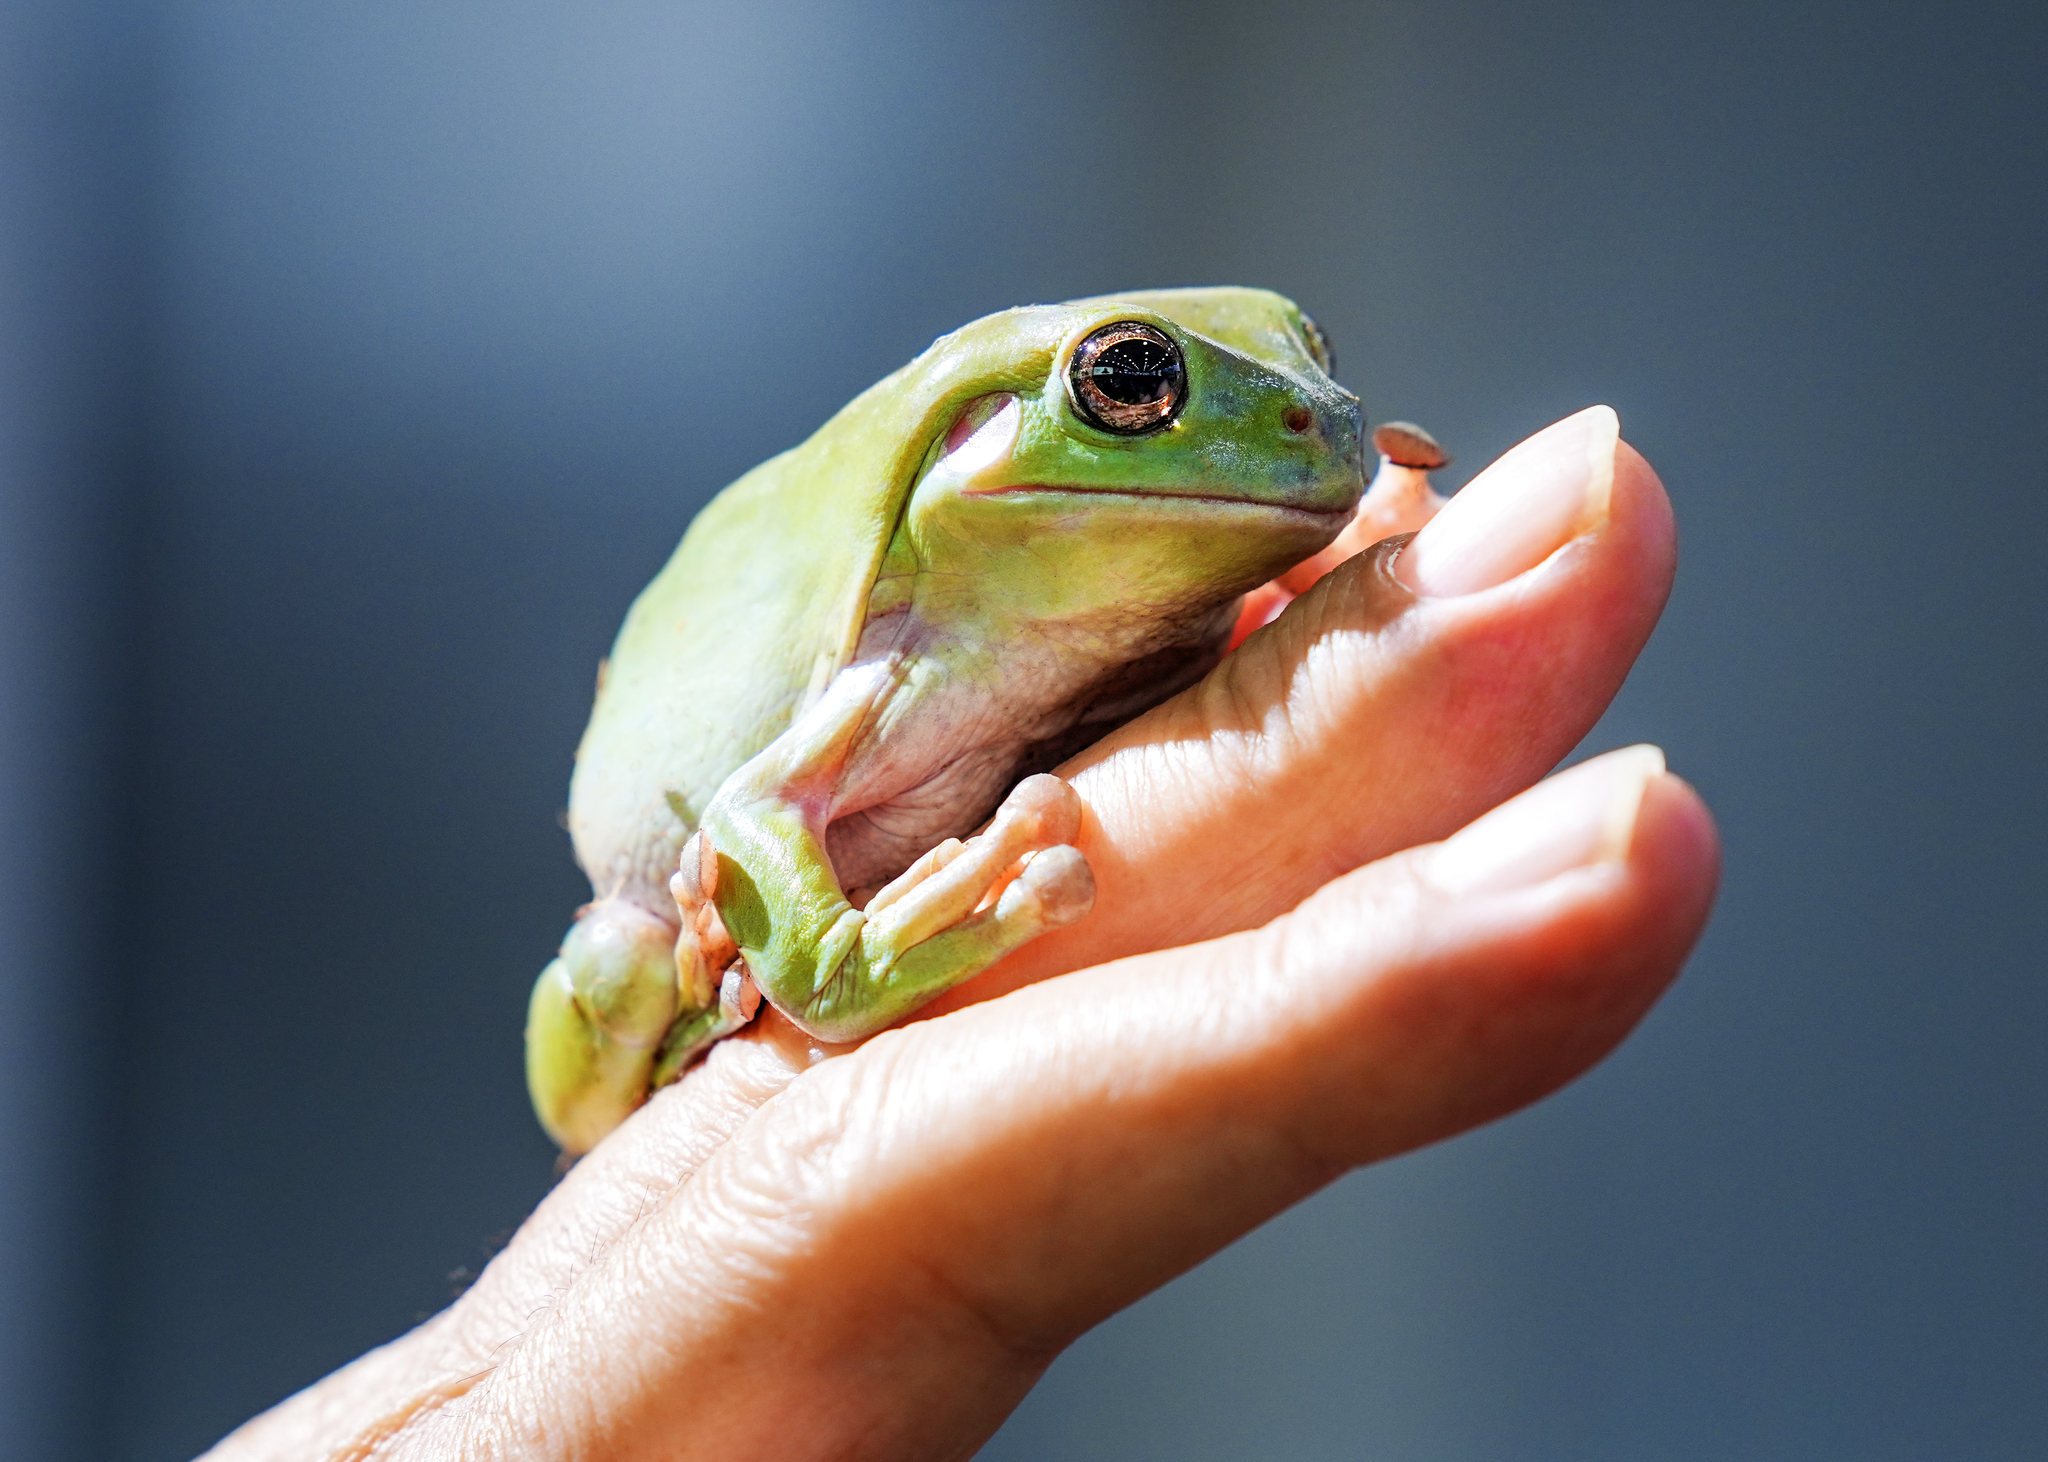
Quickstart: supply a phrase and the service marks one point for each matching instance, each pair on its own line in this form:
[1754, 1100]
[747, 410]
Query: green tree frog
[875, 644]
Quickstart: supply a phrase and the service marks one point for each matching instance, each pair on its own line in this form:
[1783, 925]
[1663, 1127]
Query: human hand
[798, 1252]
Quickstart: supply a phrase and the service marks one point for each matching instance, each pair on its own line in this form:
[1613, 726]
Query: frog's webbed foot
[998, 890]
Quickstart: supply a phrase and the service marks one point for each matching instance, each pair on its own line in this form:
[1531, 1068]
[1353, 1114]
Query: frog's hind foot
[703, 949]
[1006, 885]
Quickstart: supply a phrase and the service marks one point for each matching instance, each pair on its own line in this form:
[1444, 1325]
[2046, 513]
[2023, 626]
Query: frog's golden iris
[1128, 378]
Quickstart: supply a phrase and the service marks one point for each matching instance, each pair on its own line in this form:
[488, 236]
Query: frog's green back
[763, 600]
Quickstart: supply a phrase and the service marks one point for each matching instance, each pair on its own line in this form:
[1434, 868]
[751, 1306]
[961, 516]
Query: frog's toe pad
[1055, 889]
[739, 998]
[1041, 811]
[1040, 818]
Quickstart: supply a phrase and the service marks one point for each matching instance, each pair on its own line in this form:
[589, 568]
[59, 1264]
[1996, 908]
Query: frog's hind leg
[596, 1021]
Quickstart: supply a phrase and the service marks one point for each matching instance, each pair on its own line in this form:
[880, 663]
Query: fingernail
[1576, 819]
[1519, 511]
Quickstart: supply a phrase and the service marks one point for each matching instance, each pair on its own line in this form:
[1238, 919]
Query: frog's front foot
[949, 916]
[1023, 869]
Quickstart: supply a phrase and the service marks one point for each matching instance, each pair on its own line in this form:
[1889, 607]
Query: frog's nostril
[1297, 419]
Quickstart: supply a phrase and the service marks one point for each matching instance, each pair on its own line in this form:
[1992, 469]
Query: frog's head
[1168, 448]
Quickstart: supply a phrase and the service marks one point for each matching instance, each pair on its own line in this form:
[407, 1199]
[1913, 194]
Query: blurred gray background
[358, 363]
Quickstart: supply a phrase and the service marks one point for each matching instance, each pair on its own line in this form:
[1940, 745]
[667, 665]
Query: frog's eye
[1128, 378]
[1318, 346]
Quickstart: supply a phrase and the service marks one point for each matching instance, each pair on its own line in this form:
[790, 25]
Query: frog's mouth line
[1220, 500]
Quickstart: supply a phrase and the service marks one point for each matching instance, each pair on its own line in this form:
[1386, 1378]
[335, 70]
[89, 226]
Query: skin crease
[799, 1253]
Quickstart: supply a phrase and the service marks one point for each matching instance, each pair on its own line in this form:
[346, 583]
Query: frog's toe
[911, 877]
[1042, 809]
[1056, 888]
[739, 998]
[954, 880]
[696, 1031]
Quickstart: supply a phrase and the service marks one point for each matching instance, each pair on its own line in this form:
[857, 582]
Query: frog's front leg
[843, 973]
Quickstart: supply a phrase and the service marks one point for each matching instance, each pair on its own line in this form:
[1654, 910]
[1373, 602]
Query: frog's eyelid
[983, 434]
[1318, 342]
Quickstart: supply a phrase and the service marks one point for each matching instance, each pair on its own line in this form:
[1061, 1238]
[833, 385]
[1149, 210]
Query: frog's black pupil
[1137, 372]
[1128, 378]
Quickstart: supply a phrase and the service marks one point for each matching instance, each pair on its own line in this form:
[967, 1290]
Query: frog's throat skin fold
[862, 645]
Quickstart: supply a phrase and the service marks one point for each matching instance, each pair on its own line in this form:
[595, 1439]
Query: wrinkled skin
[865, 647]
[796, 1254]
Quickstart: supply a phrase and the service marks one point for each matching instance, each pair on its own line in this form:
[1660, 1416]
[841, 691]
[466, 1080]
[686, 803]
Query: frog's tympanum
[881, 641]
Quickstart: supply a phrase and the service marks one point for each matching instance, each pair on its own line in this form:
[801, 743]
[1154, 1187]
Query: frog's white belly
[955, 730]
[960, 728]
